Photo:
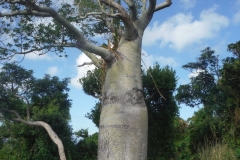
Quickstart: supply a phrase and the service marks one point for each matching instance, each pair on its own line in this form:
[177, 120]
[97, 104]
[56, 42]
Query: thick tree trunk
[124, 121]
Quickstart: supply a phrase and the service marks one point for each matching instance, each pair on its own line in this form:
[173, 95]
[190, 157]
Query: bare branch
[49, 130]
[85, 63]
[147, 14]
[16, 114]
[116, 6]
[115, 15]
[25, 12]
[95, 60]
[151, 6]
[163, 5]
[91, 14]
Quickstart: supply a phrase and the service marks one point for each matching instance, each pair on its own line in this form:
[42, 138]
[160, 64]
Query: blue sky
[175, 36]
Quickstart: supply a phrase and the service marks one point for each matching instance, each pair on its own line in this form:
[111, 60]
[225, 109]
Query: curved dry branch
[54, 137]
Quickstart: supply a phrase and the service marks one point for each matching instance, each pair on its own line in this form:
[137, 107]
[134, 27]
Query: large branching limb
[81, 41]
[54, 137]
[147, 14]
[25, 12]
[130, 30]
[133, 9]
[154, 7]
[104, 53]
[151, 7]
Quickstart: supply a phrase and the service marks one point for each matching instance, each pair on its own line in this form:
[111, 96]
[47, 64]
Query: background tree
[203, 91]
[214, 88]
[87, 145]
[123, 128]
[34, 102]
[230, 83]
[162, 111]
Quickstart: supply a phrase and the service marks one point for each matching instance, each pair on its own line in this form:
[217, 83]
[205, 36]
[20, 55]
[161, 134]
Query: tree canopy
[50, 26]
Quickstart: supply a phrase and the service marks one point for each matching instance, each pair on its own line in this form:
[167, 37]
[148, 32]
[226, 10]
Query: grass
[216, 151]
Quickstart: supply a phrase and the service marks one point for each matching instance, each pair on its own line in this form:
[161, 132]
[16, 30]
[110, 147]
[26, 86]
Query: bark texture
[123, 121]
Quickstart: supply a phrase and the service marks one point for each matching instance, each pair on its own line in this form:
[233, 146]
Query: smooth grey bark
[124, 122]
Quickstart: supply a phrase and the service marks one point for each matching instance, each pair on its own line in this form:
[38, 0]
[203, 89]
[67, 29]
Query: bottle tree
[158, 87]
[44, 25]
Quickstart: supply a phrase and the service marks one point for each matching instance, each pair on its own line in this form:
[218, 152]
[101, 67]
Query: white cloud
[182, 30]
[187, 4]
[236, 15]
[149, 60]
[81, 71]
[167, 61]
[238, 3]
[236, 18]
[194, 73]
[52, 71]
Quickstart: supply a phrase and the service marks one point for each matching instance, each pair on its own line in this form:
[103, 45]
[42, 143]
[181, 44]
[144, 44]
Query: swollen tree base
[123, 127]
